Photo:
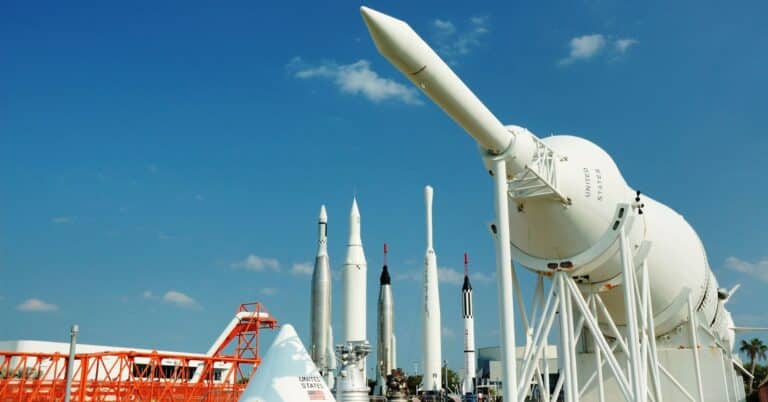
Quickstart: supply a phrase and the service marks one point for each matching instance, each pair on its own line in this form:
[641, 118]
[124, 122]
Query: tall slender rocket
[351, 385]
[469, 331]
[385, 330]
[320, 307]
[432, 380]
[354, 274]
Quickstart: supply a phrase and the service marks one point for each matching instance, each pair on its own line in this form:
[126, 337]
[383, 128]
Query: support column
[504, 274]
[630, 302]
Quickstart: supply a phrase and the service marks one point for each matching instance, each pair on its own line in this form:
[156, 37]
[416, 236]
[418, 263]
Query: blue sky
[162, 163]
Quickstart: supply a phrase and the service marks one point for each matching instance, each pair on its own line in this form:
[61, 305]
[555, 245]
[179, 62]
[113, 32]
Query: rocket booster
[469, 331]
[407, 51]
[432, 380]
[385, 346]
[320, 307]
[354, 274]
[580, 188]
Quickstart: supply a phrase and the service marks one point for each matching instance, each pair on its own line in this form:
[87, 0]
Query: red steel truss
[220, 376]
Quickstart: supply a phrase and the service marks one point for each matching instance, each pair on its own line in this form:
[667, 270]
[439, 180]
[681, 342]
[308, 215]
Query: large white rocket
[432, 380]
[351, 384]
[564, 204]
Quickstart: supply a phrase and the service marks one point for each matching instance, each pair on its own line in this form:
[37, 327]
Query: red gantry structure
[220, 375]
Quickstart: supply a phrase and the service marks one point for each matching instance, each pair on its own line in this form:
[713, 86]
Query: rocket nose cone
[395, 40]
[354, 211]
[384, 279]
[323, 214]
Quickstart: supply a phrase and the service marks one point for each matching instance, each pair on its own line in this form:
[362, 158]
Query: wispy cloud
[453, 42]
[36, 306]
[258, 264]
[302, 268]
[268, 291]
[586, 47]
[62, 220]
[356, 79]
[482, 277]
[164, 236]
[148, 295]
[622, 45]
[757, 269]
[450, 275]
[447, 332]
[179, 299]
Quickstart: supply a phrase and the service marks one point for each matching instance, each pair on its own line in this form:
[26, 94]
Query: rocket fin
[287, 374]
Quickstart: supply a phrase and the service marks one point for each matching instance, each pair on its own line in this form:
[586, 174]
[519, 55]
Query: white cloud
[482, 277]
[36, 306]
[62, 220]
[444, 27]
[409, 276]
[757, 269]
[447, 332]
[179, 299]
[164, 236]
[147, 295]
[268, 291]
[257, 264]
[357, 79]
[622, 45]
[452, 42]
[302, 268]
[584, 47]
[450, 275]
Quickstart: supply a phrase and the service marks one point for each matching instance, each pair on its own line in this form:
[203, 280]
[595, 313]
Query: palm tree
[756, 350]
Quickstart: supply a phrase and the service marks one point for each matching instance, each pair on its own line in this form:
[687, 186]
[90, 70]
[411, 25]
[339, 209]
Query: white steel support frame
[580, 308]
[504, 273]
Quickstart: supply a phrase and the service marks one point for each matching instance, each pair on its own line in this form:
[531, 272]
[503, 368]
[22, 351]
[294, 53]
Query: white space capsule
[579, 187]
[287, 374]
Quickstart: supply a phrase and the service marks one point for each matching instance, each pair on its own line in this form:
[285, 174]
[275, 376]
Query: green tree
[413, 382]
[452, 381]
[755, 350]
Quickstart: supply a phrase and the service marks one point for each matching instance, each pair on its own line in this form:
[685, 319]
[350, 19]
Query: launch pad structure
[221, 375]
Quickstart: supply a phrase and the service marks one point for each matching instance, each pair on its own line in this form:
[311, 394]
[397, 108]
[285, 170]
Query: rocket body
[385, 345]
[353, 275]
[592, 187]
[469, 336]
[432, 380]
[320, 307]
[351, 384]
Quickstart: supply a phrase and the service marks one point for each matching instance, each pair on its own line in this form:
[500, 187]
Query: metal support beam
[504, 274]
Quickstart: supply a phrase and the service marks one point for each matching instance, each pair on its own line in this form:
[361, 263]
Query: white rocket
[385, 359]
[469, 331]
[320, 305]
[351, 384]
[432, 380]
[353, 277]
[564, 185]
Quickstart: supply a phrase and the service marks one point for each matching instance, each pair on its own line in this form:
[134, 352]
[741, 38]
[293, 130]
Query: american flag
[316, 395]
